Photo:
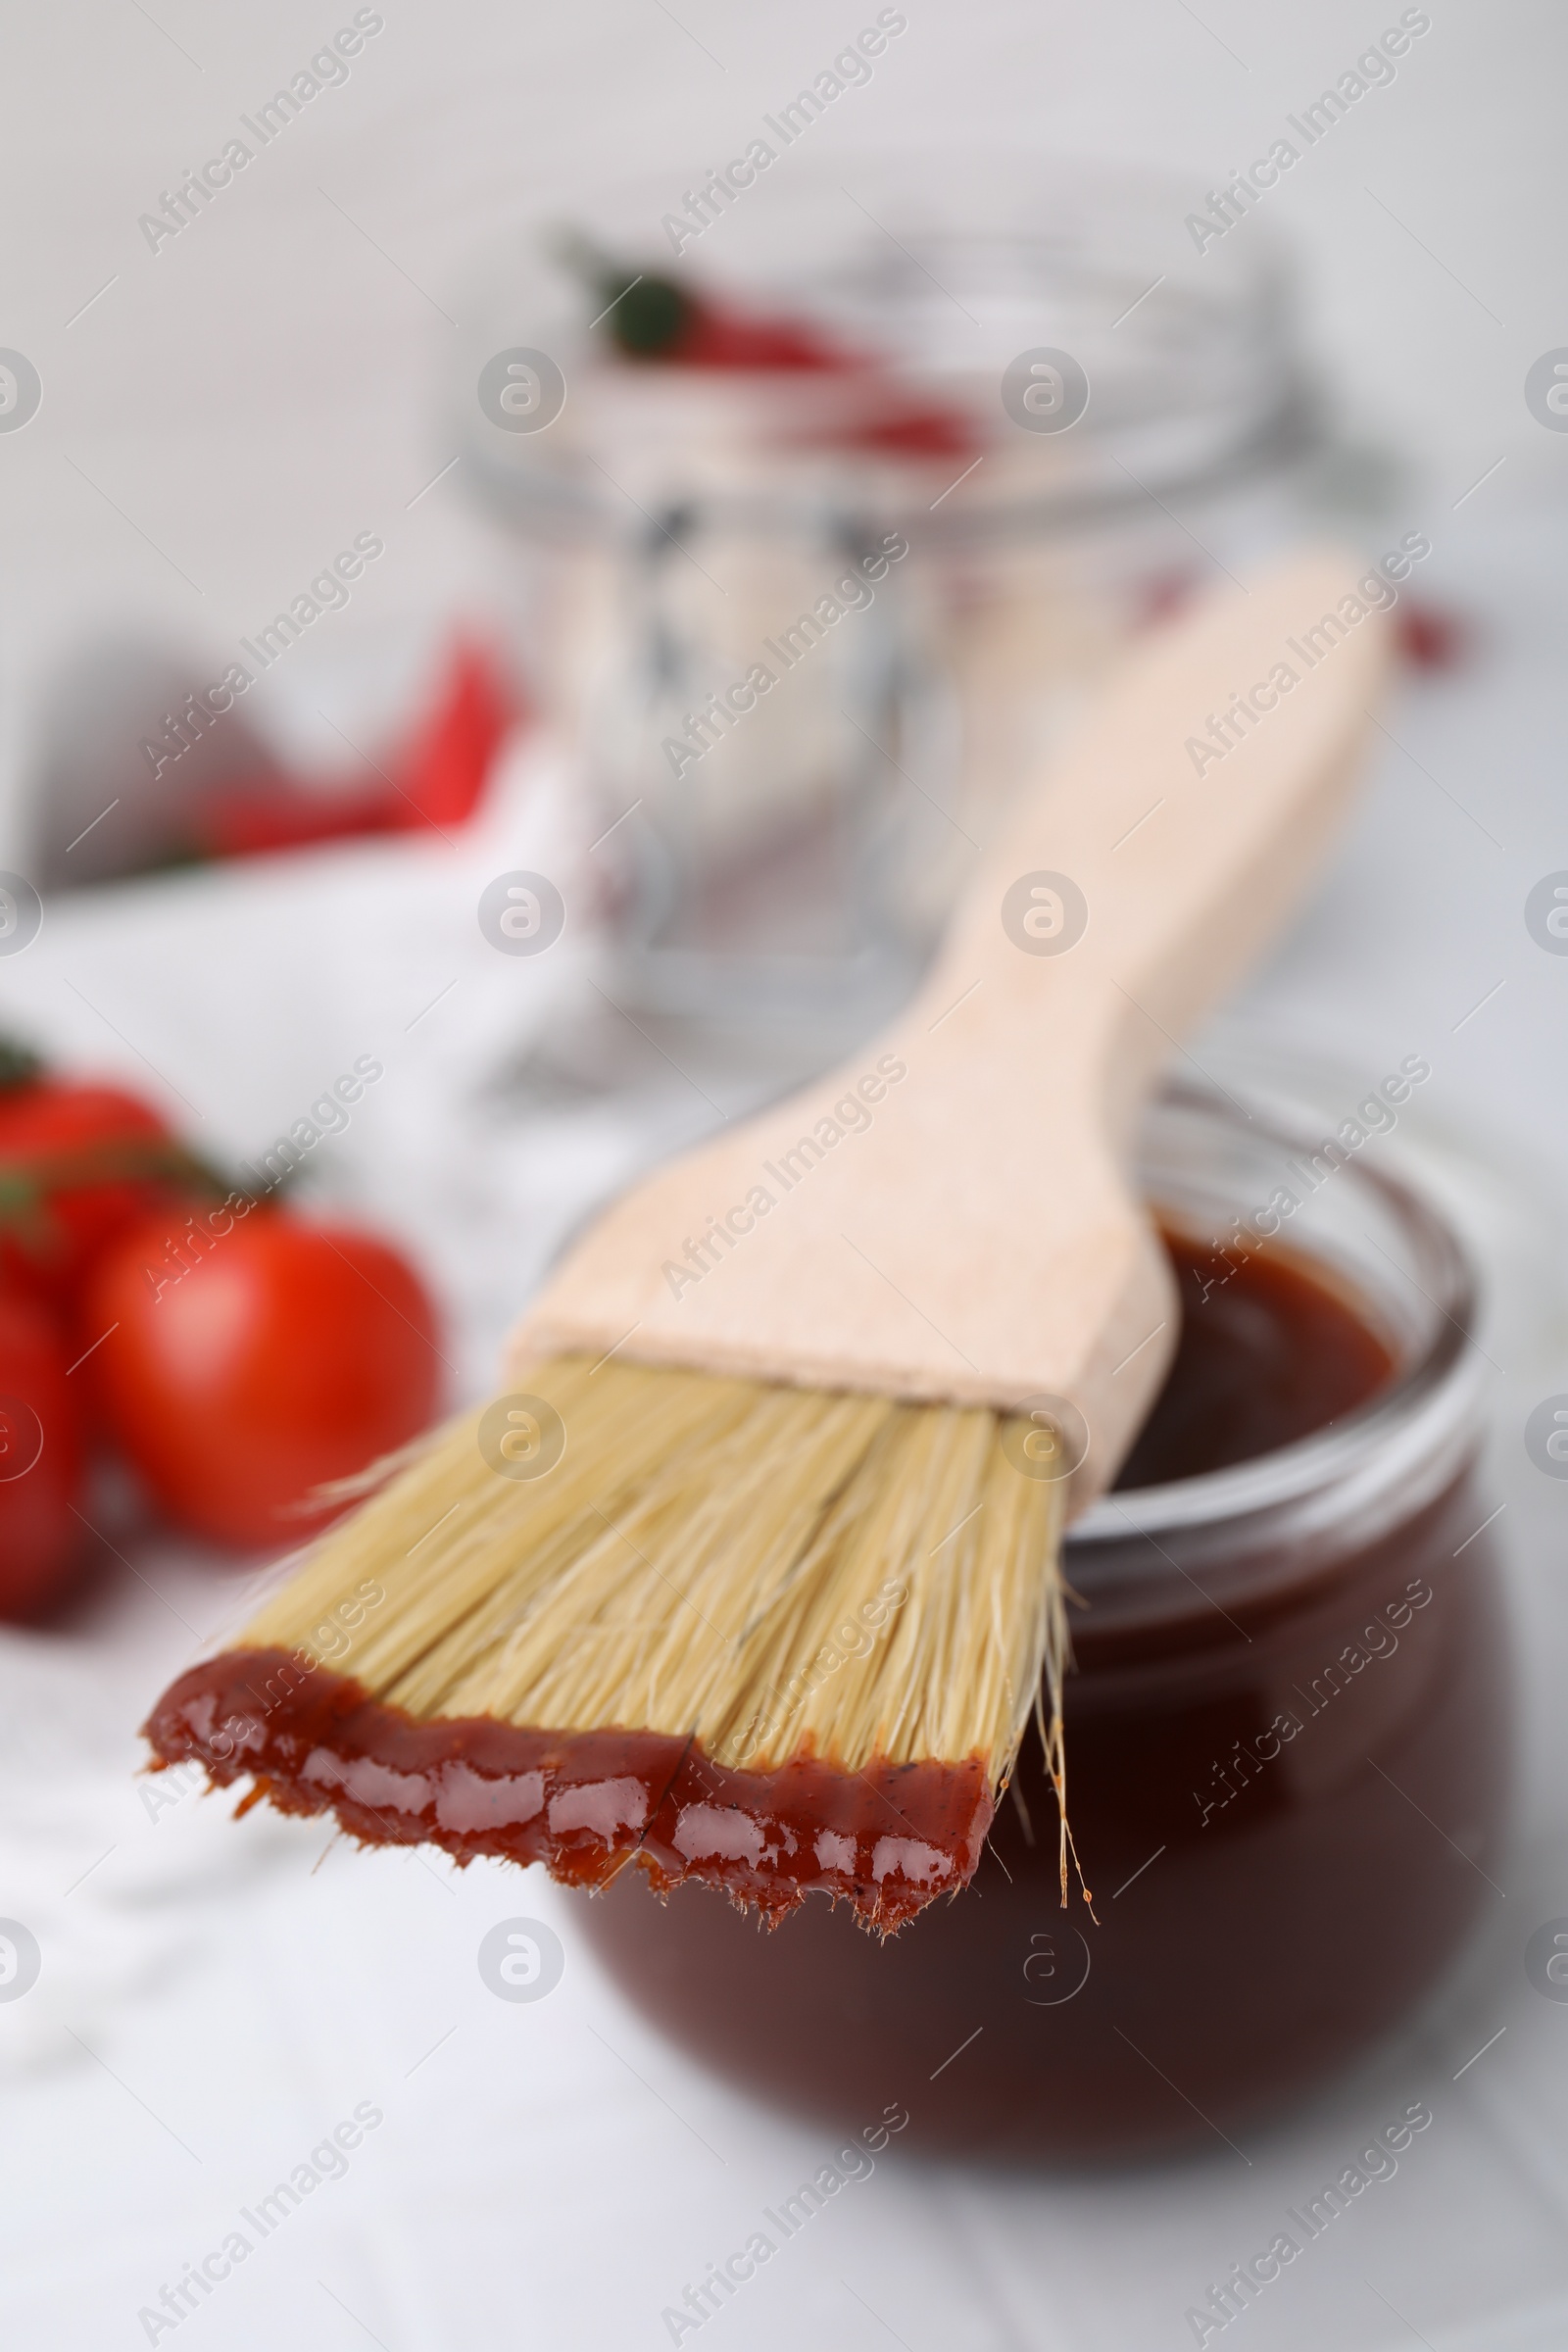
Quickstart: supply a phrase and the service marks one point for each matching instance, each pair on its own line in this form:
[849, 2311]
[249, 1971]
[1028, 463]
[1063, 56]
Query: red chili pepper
[442, 773]
[1431, 639]
[436, 780]
[719, 337]
[245, 820]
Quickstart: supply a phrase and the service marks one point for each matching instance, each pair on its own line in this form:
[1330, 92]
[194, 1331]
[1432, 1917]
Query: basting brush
[752, 1575]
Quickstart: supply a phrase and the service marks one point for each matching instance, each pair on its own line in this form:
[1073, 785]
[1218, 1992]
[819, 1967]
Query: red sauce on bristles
[886, 1838]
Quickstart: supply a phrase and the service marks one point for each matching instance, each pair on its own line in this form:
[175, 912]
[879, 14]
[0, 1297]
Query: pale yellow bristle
[771, 1569]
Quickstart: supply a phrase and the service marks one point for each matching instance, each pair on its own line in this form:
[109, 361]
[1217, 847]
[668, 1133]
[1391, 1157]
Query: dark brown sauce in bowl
[1287, 1755]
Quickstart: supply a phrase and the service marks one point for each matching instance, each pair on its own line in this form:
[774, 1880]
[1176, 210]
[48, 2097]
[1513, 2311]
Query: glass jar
[1288, 1750]
[879, 539]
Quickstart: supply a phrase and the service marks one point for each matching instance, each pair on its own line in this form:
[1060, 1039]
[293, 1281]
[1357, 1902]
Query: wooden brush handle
[969, 1232]
[1188, 841]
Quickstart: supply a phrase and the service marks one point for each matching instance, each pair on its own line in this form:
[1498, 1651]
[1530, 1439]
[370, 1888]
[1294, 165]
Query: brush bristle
[770, 1569]
[770, 1574]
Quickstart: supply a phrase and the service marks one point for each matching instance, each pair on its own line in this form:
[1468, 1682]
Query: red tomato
[40, 1460]
[285, 1356]
[77, 1163]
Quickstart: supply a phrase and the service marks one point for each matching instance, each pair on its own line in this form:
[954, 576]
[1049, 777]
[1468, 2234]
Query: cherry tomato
[77, 1163]
[40, 1460]
[285, 1354]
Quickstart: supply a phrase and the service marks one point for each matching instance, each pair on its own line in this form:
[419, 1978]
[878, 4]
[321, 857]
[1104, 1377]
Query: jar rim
[1433, 1391]
[1096, 236]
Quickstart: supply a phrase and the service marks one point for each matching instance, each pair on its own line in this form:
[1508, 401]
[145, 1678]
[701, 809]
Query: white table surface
[214, 1997]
